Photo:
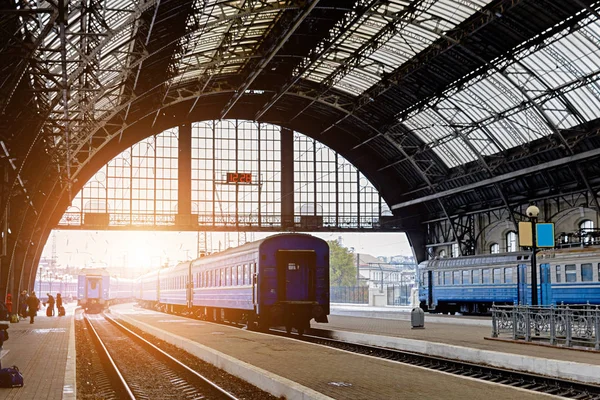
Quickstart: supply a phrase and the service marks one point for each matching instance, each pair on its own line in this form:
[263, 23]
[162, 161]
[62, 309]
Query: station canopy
[490, 101]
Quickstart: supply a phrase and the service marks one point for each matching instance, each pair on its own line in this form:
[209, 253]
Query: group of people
[29, 304]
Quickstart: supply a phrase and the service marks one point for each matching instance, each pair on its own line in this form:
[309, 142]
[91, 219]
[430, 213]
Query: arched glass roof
[526, 96]
[388, 36]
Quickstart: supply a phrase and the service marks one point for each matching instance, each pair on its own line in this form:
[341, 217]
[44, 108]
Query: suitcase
[10, 377]
[48, 311]
[61, 311]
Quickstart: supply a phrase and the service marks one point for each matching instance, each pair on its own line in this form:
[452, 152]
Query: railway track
[536, 383]
[136, 369]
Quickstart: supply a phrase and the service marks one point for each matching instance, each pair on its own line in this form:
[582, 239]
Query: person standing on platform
[50, 309]
[9, 303]
[33, 303]
[59, 304]
[23, 304]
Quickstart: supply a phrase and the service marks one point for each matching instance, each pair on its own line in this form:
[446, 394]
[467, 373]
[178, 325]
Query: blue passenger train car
[472, 284]
[282, 280]
[96, 289]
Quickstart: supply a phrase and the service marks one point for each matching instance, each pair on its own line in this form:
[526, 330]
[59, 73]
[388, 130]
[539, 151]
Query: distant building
[376, 273]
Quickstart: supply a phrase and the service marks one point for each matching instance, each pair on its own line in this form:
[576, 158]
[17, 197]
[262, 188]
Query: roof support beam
[501, 178]
[266, 58]
[360, 9]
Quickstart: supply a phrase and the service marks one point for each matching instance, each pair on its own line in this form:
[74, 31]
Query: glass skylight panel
[454, 153]
[587, 101]
[425, 26]
[428, 126]
[559, 115]
[482, 142]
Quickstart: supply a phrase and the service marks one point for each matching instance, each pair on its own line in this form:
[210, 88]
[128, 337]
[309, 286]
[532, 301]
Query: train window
[558, 274]
[439, 276]
[570, 273]
[587, 273]
[487, 276]
[246, 274]
[476, 274]
[466, 275]
[508, 275]
[598, 272]
[424, 280]
[498, 272]
[447, 278]
[240, 275]
[456, 277]
[227, 276]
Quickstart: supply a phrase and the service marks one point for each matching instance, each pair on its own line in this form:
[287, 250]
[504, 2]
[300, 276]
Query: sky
[149, 250]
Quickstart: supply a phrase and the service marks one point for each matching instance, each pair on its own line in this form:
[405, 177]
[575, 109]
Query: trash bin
[417, 318]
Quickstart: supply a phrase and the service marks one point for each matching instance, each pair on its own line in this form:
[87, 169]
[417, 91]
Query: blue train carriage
[471, 284]
[146, 289]
[569, 276]
[93, 289]
[282, 280]
[121, 290]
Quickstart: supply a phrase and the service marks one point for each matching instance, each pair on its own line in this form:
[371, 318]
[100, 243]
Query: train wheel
[288, 329]
[300, 330]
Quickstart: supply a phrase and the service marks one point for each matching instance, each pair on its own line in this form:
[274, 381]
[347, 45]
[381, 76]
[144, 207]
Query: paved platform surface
[45, 354]
[321, 372]
[459, 331]
[462, 338]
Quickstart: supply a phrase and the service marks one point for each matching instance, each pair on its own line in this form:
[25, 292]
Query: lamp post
[533, 212]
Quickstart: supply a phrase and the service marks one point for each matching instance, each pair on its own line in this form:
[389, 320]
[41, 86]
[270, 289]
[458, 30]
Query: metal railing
[561, 325]
[349, 294]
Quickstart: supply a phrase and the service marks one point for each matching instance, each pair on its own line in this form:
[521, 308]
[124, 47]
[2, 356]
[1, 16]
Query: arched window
[511, 241]
[494, 248]
[455, 250]
[585, 229]
[442, 253]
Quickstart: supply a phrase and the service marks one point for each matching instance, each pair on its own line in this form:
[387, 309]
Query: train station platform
[44, 352]
[299, 370]
[463, 338]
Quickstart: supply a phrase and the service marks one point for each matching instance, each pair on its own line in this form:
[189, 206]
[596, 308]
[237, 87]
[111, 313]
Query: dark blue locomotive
[470, 285]
[282, 280]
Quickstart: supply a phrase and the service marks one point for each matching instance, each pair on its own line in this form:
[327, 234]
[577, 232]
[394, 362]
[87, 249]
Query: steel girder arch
[57, 201]
[533, 102]
[109, 92]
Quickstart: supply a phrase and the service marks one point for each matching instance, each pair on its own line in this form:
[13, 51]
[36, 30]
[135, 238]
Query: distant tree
[342, 270]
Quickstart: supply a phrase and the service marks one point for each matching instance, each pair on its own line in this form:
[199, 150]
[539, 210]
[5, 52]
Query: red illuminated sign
[239, 177]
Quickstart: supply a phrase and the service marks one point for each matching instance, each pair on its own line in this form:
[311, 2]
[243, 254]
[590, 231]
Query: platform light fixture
[533, 212]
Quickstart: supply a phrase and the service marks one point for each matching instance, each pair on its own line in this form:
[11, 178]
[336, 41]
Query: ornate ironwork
[562, 325]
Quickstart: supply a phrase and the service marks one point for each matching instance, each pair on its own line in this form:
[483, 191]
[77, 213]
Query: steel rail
[124, 388]
[145, 342]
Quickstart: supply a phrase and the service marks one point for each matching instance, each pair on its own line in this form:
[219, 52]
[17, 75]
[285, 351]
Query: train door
[430, 289]
[189, 292]
[93, 287]
[295, 275]
[545, 285]
[522, 283]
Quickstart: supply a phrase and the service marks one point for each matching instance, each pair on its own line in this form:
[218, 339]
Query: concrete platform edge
[264, 380]
[70, 383]
[587, 373]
